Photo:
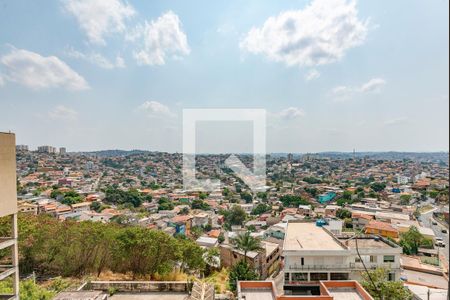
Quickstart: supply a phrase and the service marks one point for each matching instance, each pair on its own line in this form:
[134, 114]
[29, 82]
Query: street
[426, 221]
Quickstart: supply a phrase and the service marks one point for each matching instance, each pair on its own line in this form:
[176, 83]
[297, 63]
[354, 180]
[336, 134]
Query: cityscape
[224, 150]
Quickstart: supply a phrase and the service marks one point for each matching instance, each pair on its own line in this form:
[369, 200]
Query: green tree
[200, 204]
[412, 240]
[235, 216]
[165, 204]
[262, 196]
[132, 196]
[405, 199]
[96, 206]
[378, 186]
[142, 251]
[312, 180]
[375, 282]
[240, 271]
[245, 243]
[433, 194]
[28, 290]
[212, 260]
[247, 197]
[343, 213]
[260, 209]
[190, 255]
[71, 197]
[293, 201]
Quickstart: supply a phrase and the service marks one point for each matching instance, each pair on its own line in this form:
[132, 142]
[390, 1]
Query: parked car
[434, 223]
[444, 230]
[439, 242]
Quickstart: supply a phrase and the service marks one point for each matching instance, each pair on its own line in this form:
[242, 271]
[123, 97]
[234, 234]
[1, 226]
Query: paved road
[426, 221]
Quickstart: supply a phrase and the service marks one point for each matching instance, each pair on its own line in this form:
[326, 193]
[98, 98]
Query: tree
[405, 199]
[132, 196]
[71, 197]
[343, 213]
[245, 242]
[312, 191]
[412, 240]
[226, 192]
[142, 251]
[378, 186]
[184, 211]
[347, 195]
[28, 290]
[260, 209]
[200, 204]
[247, 197]
[191, 255]
[262, 196]
[293, 201]
[96, 206]
[312, 180]
[375, 282]
[212, 260]
[165, 204]
[433, 194]
[240, 271]
[235, 216]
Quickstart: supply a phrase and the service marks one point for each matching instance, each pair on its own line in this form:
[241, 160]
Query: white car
[439, 242]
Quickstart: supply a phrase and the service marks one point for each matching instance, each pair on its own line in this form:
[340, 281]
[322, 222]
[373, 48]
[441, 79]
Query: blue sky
[333, 75]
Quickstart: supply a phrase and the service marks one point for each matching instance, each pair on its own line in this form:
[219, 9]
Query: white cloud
[291, 113]
[64, 113]
[159, 39]
[343, 93]
[312, 74]
[396, 121]
[37, 72]
[99, 18]
[373, 85]
[97, 59]
[319, 34]
[156, 109]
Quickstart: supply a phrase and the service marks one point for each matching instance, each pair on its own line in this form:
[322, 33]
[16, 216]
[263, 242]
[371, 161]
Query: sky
[332, 75]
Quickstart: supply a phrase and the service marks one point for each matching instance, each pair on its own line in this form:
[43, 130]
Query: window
[302, 261]
[286, 277]
[338, 276]
[319, 276]
[389, 258]
[299, 276]
[373, 259]
[391, 277]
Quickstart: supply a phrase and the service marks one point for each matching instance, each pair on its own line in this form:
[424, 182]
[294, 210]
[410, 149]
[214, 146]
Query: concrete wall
[8, 188]
[139, 286]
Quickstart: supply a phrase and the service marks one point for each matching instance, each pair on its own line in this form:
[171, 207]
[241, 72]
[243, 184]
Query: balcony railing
[319, 267]
[350, 266]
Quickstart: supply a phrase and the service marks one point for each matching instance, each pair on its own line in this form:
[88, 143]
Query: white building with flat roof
[313, 253]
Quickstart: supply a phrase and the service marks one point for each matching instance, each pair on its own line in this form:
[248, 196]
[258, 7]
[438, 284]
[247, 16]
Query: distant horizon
[246, 153]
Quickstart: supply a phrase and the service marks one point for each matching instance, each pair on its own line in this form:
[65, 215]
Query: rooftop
[367, 243]
[308, 236]
[335, 290]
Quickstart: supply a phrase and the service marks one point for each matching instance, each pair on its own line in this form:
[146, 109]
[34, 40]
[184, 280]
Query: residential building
[381, 228]
[47, 149]
[264, 262]
[312, 253]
